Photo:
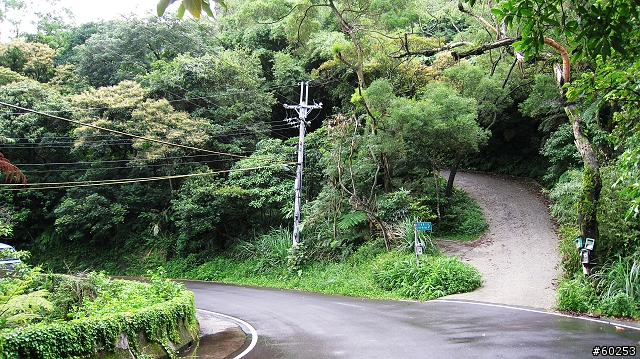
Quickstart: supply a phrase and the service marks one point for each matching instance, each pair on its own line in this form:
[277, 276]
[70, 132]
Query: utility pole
[303, 109]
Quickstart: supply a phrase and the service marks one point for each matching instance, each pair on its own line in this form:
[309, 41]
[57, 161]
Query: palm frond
[11, 172]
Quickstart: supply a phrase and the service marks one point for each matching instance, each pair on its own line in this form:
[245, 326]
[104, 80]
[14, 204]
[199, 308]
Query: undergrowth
[613, 288]
[369, 272]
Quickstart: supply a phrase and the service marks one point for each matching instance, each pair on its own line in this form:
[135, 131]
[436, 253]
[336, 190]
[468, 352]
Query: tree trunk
[452, 176]
[386, 166]
[591, 181]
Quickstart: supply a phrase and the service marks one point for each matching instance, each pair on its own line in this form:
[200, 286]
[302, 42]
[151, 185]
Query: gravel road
[517, 255]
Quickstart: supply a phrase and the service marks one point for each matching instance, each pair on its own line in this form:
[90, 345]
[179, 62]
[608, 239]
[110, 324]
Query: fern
[18, 306]
[351, 220]
[22, 309]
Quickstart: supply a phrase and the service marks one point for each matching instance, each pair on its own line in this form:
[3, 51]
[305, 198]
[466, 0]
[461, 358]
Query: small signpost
[419, 243]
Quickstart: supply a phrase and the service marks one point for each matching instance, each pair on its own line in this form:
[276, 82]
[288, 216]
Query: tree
[225, 87]
[122, 50]
[208, 213]
[267, 184]
[439, 123]
[353, 175]
[150, 152]
[31, 59]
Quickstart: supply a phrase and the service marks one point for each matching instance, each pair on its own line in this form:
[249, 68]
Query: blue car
[8, 259]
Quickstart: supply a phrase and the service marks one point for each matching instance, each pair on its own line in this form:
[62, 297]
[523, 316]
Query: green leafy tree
[122, 50]
[31, 59]
[90, 217]
[208, 214]
[439, 123]
[266, 181]
[491, 95]
[152, 150]
[225, 87]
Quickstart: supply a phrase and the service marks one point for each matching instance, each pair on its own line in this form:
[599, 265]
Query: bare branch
[484, 48]
[566, 60]
[429, 52]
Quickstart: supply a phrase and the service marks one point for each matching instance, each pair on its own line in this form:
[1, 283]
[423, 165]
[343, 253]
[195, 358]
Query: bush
[435, 277]
[613, 291]
[576, 295]
[462, 218]
[618, 283]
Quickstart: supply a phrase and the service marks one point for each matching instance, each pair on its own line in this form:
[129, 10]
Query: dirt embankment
[517, 256]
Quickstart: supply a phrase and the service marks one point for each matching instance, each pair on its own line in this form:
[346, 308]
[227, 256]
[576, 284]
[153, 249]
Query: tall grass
[408, 237]
[435, 277]
[618, 283]
[614, 290]
[268, 250]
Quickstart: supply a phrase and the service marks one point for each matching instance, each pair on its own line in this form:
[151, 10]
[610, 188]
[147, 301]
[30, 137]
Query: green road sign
[423, 226]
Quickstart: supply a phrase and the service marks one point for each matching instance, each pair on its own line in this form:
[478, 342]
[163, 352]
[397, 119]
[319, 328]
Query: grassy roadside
[369, 272]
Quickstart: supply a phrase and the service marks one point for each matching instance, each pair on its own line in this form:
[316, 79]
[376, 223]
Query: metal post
[303, 110]
[416, 244]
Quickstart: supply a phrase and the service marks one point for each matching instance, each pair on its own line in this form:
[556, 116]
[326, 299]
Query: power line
[60, 185]
[115, 161]
[124, 133]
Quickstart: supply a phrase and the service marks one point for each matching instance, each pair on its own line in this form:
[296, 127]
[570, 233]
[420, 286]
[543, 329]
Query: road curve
[295, 324]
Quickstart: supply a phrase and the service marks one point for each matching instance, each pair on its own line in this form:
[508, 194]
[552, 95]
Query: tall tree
[31, 59]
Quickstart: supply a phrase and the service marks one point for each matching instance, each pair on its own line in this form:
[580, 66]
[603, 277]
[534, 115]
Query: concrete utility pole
[303, 109]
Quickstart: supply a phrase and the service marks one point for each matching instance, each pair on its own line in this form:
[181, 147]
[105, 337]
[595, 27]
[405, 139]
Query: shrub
[576, 295]
[435, 277]
[618, 283]
[461, 218]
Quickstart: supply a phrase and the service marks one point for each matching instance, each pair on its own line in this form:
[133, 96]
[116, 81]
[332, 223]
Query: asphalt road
[301, 325]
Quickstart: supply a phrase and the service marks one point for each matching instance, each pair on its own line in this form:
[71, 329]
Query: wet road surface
[302, 325]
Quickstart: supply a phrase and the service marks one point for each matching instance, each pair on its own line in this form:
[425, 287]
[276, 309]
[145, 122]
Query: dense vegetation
[60, 316]
[161, 141]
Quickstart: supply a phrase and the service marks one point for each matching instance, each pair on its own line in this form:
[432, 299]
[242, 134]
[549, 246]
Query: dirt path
[517, 255]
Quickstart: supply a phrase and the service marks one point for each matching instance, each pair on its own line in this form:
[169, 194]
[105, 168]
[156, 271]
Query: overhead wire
[127, 134]
[112, 161]
[60, 185]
